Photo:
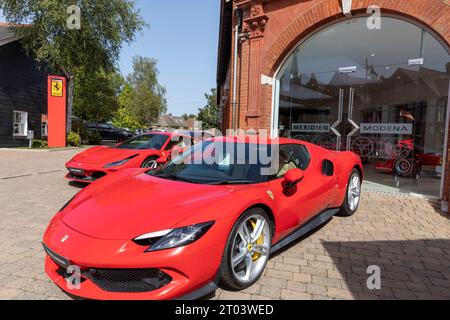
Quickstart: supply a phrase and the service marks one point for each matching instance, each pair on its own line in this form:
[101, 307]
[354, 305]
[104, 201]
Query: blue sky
[183, 37]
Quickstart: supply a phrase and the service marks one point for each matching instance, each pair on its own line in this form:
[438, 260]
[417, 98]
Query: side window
[20, 123]
[292, 156]
[176, 141]
[171, 144]
[298, 154]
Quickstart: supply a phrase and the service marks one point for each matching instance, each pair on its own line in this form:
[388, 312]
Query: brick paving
[408, 238]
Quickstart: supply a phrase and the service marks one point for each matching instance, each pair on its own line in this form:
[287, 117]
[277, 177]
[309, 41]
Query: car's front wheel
[247, 250]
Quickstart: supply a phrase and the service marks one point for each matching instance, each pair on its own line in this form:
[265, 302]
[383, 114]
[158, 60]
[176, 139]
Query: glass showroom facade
[382, 93]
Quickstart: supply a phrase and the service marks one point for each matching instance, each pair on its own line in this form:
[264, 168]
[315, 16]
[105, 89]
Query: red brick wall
[289, 21]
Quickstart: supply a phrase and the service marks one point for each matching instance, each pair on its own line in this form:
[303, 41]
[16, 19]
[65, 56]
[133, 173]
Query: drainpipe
[238, 13]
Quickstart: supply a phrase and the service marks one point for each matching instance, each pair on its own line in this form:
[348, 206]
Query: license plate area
[76, 171]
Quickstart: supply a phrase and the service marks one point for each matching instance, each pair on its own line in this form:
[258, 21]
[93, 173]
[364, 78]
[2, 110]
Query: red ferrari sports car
[409, 160]
[210, 216]
[143, 151]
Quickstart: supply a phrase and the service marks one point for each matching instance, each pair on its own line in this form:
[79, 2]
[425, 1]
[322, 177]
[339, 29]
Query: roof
[225, 39]
[168, 120]
[7, 34]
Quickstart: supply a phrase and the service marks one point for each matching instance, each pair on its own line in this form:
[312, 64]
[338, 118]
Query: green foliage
[96, 96]
[94, 138]
[73, 139]
[186, 116]
[37, 144]
[209, 115]
[144, 96]
[90, 51]
[105, 26]
[123, 118]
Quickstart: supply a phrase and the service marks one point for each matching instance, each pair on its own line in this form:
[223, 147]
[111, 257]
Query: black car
[109, 132]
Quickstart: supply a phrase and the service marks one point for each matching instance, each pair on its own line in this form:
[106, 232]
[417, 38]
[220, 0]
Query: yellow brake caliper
[260, 240]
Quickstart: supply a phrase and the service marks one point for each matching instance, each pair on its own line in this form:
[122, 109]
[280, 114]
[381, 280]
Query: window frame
[23, 115]
[274, 177]
[44, 134]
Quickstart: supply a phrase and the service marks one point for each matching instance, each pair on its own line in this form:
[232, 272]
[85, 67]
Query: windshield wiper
[171, 176]
[224, 182]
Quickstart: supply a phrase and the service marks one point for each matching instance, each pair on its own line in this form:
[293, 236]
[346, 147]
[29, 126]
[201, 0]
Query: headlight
[119, 163]
[173, 238]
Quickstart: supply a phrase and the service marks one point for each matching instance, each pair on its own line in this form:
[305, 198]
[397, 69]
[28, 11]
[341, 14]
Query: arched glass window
[374, 92]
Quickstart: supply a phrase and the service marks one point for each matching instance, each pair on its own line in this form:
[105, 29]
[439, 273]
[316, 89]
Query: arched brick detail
[433, 13]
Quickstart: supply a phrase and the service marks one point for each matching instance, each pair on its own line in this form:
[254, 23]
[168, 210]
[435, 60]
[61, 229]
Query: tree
[186, 116]
[95, 46]
[209, 115]
[96, 96]
[124, 116]
[148, 97]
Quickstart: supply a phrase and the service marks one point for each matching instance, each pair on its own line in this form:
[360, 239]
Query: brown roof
[168, 120]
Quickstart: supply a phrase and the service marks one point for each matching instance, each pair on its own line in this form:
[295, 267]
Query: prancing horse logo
[64, 239]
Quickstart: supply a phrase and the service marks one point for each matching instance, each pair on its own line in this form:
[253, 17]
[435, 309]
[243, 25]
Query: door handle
[350, 118]
[339, 120]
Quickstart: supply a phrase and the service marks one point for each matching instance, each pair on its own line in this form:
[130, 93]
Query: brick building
[23, 93]
[370, 76]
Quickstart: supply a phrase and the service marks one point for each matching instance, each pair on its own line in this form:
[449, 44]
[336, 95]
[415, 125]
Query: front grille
[97, 175]
[128, 280]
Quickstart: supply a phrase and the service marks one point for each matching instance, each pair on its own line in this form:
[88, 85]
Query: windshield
[146, 141]
[212, 162]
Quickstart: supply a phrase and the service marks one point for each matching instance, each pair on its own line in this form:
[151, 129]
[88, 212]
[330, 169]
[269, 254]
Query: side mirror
[293, 177]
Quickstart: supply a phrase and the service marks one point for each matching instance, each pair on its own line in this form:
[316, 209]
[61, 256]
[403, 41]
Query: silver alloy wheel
[354, 192]
[150, 164]
[251, 248]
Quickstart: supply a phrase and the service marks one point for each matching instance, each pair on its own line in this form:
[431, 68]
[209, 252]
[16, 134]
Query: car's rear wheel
[150, 163]
[247, 250]
[353, 195]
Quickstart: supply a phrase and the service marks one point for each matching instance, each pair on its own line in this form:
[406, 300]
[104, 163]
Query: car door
[305, 201]
[103, 131]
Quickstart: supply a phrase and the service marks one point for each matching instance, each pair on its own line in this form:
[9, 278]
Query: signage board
[30, 135]
[57, 87]
[311, 127]
[386, 128]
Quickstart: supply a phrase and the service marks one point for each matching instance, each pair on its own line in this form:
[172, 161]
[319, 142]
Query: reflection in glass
[380, 93]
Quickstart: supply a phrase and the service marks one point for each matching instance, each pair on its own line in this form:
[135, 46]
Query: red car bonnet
[124, 206]
[104, 155]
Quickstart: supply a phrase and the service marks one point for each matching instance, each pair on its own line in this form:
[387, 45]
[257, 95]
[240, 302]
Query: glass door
[311, 107]
[380, 124]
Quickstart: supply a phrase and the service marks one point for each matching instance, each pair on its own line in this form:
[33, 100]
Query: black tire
[227, 278]
[345, 210]
[146, 161]
[403, 167]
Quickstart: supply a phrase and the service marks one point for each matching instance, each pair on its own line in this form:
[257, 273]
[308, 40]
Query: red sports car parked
[143, 151]
[408, 160]
[212, 215]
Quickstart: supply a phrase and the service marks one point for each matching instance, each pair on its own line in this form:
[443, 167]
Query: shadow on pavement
[415, 269]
